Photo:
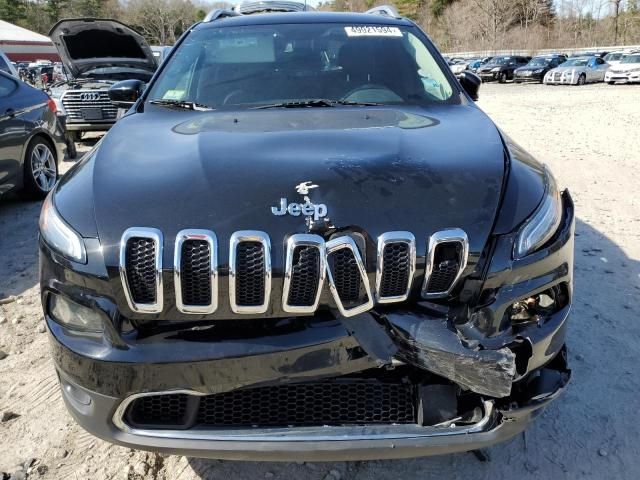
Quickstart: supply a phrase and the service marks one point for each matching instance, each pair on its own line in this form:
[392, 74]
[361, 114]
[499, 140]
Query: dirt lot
[590, 136]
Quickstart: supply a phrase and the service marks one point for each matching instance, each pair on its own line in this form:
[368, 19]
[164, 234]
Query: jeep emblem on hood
[308, 208]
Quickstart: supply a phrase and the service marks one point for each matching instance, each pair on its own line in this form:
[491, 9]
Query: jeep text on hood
[305, 241]
[86, 44]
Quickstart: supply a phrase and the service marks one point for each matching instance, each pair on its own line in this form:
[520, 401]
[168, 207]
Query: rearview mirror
[471, 84]
[125, 93]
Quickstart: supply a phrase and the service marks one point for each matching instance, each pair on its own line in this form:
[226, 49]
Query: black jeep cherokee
[305, 241]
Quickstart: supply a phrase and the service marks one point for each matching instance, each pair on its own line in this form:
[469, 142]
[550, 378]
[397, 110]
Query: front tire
[40, 169]
[582, 79]
[503, 77]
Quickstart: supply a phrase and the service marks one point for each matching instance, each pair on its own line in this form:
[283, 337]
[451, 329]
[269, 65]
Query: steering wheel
[232, 94]
[379, 93]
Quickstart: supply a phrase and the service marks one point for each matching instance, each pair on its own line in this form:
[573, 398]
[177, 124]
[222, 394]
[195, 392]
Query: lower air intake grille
[346, 276]
[141, 269]
[250, 276]
[396, 264]
[159, 410]
[196, 273]
[442, 276]
[305, 276]
[309, 404]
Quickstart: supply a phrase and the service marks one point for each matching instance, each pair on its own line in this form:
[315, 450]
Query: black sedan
[501, 68]
[536, 69]
[31, 139]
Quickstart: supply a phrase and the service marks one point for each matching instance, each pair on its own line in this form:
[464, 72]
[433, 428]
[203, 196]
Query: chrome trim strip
[236, 239]
[303, 240]
[453, 235]
[156, 236]
[302, 434]
[333, 246]
[387, 239]
[202, 235]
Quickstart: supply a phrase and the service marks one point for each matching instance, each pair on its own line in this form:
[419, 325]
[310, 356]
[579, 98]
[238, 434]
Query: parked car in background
[31, 138]
[627, 71]
[463, 66]
[577, 71]
[96, 54]
[501, 68]
[535, 70]
[614, 58]
[6, 65]
[160, 52]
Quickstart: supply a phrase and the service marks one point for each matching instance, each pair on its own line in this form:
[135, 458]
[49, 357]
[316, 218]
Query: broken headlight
[59, 235]
[542, 225]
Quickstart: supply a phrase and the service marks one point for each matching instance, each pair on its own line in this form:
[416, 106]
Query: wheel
[610, 83]
[74, 136]
[503, 77]
[40, 168]
[582, 79]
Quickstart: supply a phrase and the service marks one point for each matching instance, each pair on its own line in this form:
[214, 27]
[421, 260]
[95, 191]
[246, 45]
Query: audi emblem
[89, 96]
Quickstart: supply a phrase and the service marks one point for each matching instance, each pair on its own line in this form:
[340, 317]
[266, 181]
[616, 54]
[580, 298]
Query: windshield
[631, 59]
[576, 62]
[613, 56]
[500, 61]
[268, 64]
[539, 62]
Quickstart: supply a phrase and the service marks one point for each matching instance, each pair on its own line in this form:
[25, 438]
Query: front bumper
[89, 127]
[565, 78]
[512, 372]
[622, 77]
[489, 76]
[533, 78]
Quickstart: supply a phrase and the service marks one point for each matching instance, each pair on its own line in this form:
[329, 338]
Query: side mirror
[125, 93]
[471, 84]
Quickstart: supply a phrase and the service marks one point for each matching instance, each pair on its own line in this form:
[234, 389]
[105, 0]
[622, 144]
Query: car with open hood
[535, 70]
[96, 53]
[627, 71]
[577, 71]
[305, 241]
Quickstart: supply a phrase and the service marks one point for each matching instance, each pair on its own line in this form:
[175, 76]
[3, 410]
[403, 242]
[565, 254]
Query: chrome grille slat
[454, 236]
[396, 266]
[337, 245]
[305, 270]
[195, 271]
[141, 269]
[248, 267]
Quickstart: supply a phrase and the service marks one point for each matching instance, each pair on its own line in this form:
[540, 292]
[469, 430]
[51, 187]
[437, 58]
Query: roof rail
[220, 13]
[386, 10]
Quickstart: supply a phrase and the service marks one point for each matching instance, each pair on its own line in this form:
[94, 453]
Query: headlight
[538, 70]
[542, 225]
[73, 315]
[495, 70]
[60, 236]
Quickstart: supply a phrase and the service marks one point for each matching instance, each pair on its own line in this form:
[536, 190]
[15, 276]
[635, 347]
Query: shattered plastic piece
[427, 343]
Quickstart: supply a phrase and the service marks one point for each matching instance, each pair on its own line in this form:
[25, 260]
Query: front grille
[195, 268]
[141, 269]
[80, 110]
[341, 402]
[396, 268]
[305, 277]
[346, 276]
[443, 276]
[250, 274]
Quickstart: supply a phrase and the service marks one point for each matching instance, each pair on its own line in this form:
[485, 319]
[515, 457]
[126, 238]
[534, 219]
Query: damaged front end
[434, 376]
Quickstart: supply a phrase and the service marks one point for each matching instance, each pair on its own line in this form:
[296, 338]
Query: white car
[627, 71]
[614, 58]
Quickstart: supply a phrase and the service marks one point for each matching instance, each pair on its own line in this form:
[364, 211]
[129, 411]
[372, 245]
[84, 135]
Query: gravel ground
[590, 136]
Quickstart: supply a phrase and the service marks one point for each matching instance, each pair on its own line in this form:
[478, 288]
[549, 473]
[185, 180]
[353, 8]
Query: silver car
[578, 71]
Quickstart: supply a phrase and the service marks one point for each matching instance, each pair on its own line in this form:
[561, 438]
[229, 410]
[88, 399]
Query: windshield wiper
[182, 104]
[314, 102]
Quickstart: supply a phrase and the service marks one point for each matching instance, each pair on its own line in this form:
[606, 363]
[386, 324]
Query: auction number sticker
[372, 31]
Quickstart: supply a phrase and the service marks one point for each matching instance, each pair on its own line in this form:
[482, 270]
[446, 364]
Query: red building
[22, 45]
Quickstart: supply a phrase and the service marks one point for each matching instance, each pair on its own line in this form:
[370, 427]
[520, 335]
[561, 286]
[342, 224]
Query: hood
[626, 67]
[528, 68]
[376, 170]
[85, 44]
[569, 68]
